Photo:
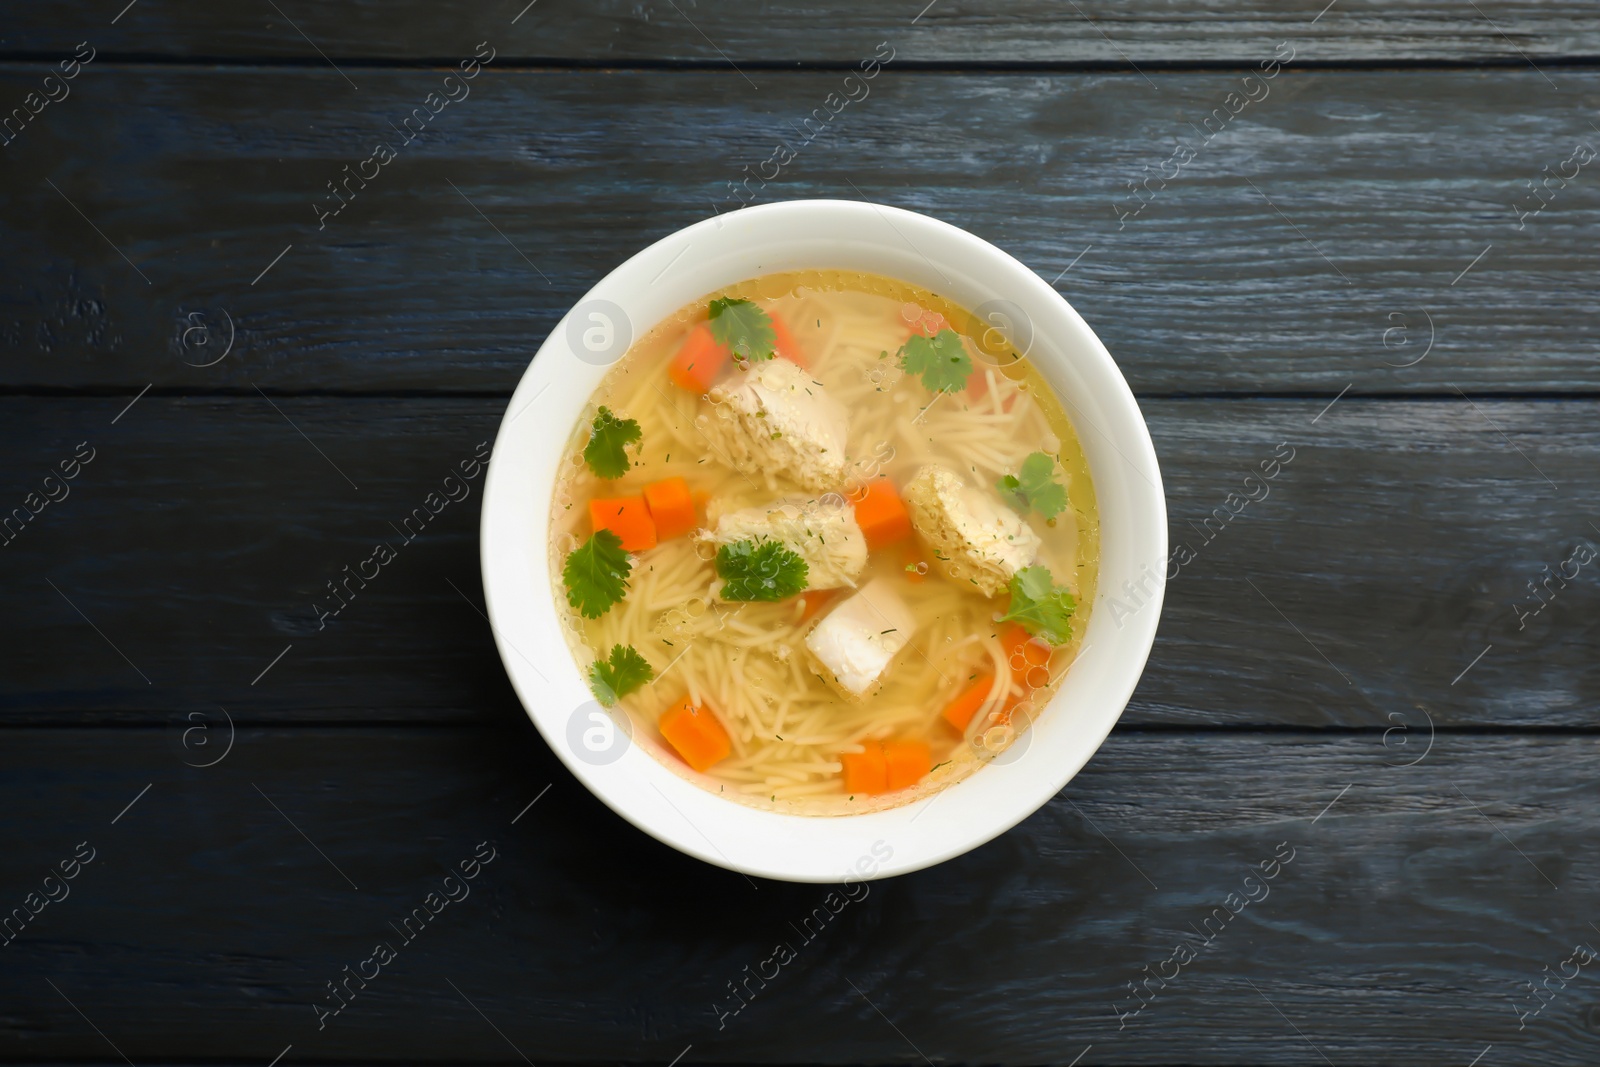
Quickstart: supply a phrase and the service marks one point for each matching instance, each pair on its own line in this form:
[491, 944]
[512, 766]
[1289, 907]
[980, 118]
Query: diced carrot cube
[1007, 715]
[699, 361]
[885, 766]
[815, 601]
[695, 734]
[978, 385]
[671, 507]
[881, 514]
[785, 344]
[959, 712]
[626, 516]
[905, 763]
[865, 772]
[1029, 656]
[915, 567]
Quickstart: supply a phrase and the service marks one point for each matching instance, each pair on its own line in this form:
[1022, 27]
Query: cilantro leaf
[760, 570]
[606, 451]
[743, 329]
[1043, 608]
[596, 573]
[1034, 486]
[614, 678]
[941, 360]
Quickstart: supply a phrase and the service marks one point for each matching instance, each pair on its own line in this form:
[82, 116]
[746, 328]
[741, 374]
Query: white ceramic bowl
[854, 236]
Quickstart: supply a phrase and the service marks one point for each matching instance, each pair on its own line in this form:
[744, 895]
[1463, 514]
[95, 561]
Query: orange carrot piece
[626, 516]
[978, 385]
[816, 600]
[959, 712]
[881, 514]
[785, 344]
[905, 763]
[695, 734]
[671, 506]
[1029, 656]
[912, 559]
[865, 772]
[1006, 715]
[699, 361]
[886, 766]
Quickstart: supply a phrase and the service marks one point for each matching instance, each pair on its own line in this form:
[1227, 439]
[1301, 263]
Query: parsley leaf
[1034, 486]
[608, 437]
[942, 360]
[760, 570]
[624, 672]
[1043, 608]
[596, 573]
[743, 329]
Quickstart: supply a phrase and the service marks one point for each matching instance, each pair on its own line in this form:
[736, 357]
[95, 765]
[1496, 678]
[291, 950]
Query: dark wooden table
[1383, 259]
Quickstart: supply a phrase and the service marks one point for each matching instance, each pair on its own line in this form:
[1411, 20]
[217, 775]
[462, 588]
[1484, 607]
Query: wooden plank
[1434, 893]
[722, 32]
[1321, 240]
[1392, 544]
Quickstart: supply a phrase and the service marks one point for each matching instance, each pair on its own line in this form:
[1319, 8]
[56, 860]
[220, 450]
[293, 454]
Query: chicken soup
[827, 540]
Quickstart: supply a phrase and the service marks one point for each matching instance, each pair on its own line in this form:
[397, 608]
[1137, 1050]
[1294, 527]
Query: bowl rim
[806, 848]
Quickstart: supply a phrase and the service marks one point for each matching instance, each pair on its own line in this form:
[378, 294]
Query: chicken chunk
[977, 536]
[857, 641]
[774, 419]
[825, 535]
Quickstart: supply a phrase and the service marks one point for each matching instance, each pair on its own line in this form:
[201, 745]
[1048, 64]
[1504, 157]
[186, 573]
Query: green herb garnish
[606, 452]
[1043, 608]
[941, 360]
[760, 570]
[1034, 486]
[596, 574]
[743, 329]
[614, 678]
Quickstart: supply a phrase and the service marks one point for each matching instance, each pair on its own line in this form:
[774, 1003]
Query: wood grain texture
[1395, 544]
[1322, 240]
[722, 31]
[1341, 668]
[1411, 913]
